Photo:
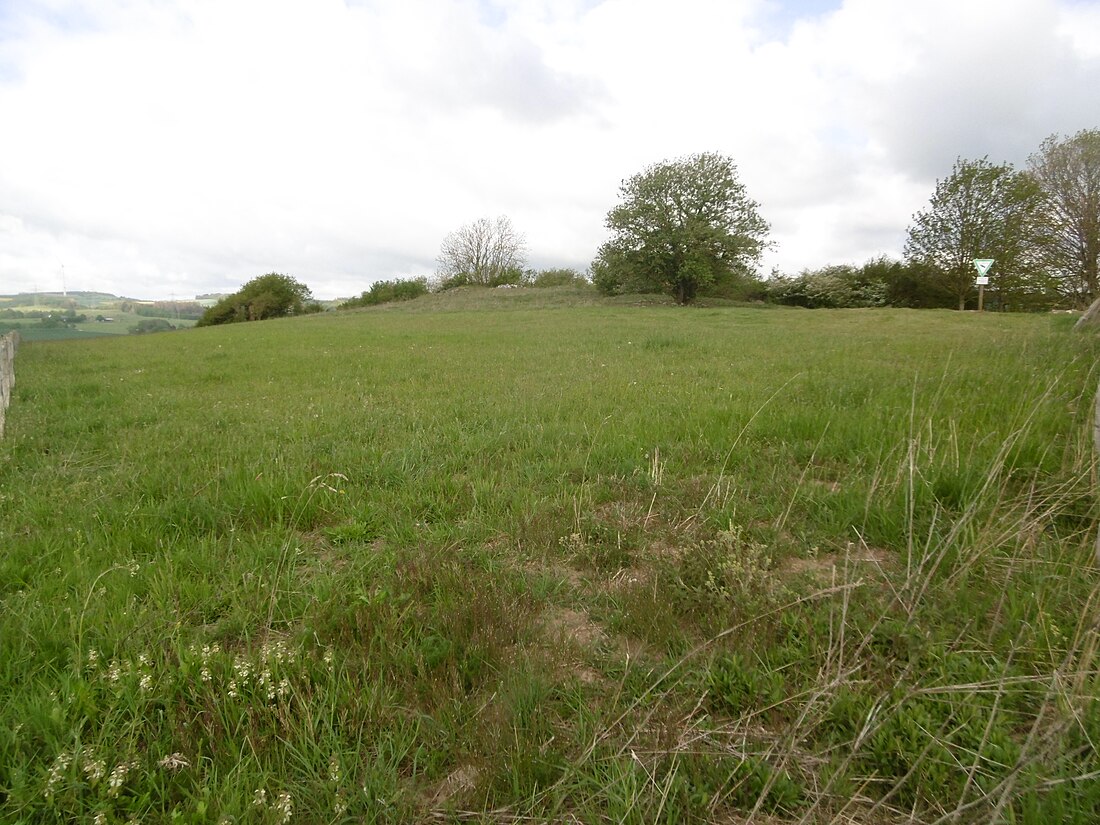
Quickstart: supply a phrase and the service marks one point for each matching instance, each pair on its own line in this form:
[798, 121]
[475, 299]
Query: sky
[167, 148]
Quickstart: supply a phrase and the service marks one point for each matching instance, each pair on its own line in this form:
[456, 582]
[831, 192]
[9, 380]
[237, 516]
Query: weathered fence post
[1090, 316]
[8, 344]
[1096, 441]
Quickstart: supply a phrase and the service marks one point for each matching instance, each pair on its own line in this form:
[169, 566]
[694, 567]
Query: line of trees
[688, 228]
[191, 310]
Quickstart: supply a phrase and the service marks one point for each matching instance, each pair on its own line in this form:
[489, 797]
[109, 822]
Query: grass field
[550, 562]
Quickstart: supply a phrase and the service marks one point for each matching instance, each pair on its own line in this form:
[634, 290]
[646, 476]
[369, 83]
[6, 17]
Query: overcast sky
[174, 147]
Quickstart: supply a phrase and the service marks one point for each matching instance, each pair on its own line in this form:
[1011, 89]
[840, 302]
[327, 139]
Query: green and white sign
[982, 265]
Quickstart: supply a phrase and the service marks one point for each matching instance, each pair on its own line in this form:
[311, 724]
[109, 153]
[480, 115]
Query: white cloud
[158, 148]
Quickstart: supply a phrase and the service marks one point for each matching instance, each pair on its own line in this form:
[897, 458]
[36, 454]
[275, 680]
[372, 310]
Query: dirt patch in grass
[563, 625]
[460, 781]
[831, 485]
[821, 566]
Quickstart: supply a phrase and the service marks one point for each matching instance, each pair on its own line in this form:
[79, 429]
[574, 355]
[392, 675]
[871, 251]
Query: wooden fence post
[1096, 441]
[8, 344]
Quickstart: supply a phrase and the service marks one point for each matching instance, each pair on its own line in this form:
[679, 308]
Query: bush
[150, 325]
[558, 277]
[832, 287]
[268, 296]
[385, 292]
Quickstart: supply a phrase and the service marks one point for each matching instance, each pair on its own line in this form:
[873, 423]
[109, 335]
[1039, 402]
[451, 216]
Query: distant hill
[82, 299]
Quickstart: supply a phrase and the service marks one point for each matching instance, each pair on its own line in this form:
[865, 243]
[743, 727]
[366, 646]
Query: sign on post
[982, 265]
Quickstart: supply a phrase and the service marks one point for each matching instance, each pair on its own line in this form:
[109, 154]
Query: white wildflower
[174, 762]
[243, 668]
[117, 778]
[204, 674]
[60, 765]
[259, 799]
[283, 806]
[93, 768]
[232, 690]
[334, 769]
[146, 683]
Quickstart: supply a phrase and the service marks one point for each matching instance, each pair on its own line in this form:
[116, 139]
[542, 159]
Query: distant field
[554, 562]
[32, 333]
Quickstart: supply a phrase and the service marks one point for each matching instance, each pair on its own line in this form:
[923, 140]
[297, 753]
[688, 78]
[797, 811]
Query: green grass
[592, 562]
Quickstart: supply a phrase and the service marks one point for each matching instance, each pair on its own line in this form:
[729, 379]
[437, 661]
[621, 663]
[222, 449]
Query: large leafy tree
[487, 252]
[683, 226]
[1069, 173]
[268, 296]
[981, 210]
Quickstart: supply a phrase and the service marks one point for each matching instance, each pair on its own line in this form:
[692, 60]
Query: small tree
[683, 226]
[483, 253]
[268, 296]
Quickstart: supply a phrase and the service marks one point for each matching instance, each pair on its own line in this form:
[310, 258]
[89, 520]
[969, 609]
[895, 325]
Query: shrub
[385, 292]
[558, 277]
[268, 296]
[830, 287]
[151, 325]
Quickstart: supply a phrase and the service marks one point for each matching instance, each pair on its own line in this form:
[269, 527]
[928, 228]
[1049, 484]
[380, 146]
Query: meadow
[534, 559]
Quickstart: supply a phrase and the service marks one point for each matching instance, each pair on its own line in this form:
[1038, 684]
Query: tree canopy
[1069, 173]
[682, 226]
[487, 252]
[268, 296]
[981, 210]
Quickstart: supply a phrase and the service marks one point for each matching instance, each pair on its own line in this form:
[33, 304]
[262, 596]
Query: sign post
[982, 265]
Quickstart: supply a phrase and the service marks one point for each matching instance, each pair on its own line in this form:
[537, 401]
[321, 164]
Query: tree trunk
[962, 303]
[1091, 316]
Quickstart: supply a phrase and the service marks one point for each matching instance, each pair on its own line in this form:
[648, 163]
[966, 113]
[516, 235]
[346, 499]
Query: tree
[485, 253]
[981, 210]
[1069, 173]
[683, 226]
[268, 296]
